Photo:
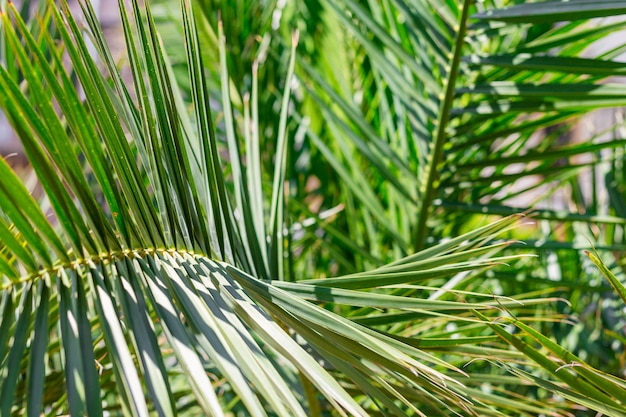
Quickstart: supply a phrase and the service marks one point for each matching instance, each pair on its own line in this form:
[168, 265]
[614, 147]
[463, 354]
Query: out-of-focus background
[108, 14]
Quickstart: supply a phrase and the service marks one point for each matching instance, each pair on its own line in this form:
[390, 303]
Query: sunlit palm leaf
[447, 119]
[146, 291]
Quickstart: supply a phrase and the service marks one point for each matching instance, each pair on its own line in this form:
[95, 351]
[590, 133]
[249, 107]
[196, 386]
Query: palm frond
[146, 291]
[171, 273]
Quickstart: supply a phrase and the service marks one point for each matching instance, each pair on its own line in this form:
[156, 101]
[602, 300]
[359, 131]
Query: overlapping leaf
[145, 290]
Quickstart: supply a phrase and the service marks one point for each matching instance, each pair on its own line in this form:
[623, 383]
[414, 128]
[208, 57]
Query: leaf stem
[100, 258]
[434, 158]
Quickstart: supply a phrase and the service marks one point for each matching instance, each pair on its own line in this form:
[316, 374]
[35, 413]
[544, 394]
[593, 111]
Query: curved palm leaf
[477, 100]
[146, 287]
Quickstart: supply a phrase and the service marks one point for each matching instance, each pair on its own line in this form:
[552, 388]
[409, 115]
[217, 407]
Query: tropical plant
[238, 225]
